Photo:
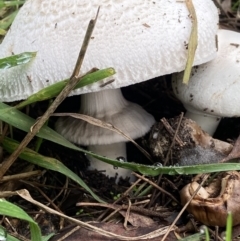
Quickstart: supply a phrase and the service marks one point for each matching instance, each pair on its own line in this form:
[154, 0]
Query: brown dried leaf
[213, 211]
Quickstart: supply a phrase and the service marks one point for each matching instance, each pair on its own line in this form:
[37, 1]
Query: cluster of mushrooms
[141, 40]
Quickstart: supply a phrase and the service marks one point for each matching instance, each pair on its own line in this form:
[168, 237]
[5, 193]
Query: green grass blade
[9, 209]
[229, 227]
[53, 90]
[11, 238]
[5, 236]
[7, 21]
[172, 170]
[23, 122]
[194, 237]
[46, 238]
[2, 31]
[3, 233]
[207, 236]
[10, 3]
[16, 60]
[46, 162]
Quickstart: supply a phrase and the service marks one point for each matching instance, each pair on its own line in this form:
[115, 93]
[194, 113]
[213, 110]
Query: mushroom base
[208, 123]
[113, 151]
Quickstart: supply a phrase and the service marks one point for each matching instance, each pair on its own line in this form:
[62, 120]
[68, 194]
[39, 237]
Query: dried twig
[133, 208]
[21, 176]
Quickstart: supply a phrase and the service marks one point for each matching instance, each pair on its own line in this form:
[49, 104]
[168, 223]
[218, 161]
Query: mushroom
[212, 204]
[111, 107]
[140, 39]
[211, 91]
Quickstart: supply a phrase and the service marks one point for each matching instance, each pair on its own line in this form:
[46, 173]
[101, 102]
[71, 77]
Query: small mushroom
[213, 90]
[110, 106]
[140, 39]
[212, 204]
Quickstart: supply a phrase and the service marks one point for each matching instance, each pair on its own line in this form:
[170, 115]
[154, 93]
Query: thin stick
[140, 210]
[75, 229]
[21, 175]
[64, 93]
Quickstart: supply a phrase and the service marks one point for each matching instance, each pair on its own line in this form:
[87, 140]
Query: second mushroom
[213, 90]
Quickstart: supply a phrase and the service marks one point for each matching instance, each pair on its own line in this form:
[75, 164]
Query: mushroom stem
[102, 103]
[113, 151]
[208, 123]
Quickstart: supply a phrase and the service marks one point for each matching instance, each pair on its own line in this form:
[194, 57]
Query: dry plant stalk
[193, 41]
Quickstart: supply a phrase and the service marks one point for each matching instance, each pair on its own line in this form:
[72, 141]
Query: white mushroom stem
[111, 107]
[208, 123]
[114, 151]
[103, 104]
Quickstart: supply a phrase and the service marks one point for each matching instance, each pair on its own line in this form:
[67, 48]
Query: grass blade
[229, 227]
[46, 162]
[9, 209]
[7, 21]
[53, 90]
[10, 3]
[16, 60]
[23, 122]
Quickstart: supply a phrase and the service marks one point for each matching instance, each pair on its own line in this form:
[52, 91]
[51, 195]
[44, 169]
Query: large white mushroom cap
[214, 87]
[141, 39]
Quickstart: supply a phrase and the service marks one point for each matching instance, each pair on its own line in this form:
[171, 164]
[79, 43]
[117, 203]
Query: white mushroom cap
[140, 39]
[214, 87]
